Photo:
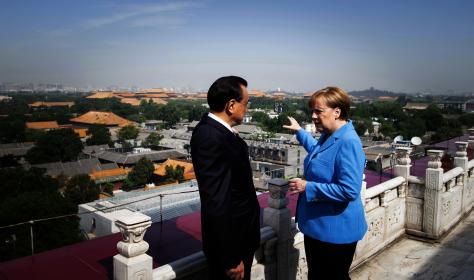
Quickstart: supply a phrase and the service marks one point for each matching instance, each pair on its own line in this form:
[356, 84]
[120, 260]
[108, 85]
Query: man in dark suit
[230, 211]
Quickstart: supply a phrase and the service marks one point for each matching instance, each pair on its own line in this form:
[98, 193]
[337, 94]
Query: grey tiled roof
[15, 149]
[130, 158]
[72, 168]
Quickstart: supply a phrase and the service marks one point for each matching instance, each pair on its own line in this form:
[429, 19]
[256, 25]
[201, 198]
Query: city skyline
[408, 46]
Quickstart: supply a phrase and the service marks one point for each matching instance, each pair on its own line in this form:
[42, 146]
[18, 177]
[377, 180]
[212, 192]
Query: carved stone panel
[375, 232]
[394, 217]
[372, 204]
[414, 219]
[450, 206]
[468, 194]
[389, 196]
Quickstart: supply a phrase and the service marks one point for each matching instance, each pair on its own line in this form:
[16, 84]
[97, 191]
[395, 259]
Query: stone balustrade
[132, 263]
[426, 207]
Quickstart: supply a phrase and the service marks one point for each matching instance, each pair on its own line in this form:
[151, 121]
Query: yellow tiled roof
[104, 118]
[50, 104]
[160, 169]
[42, 125]
[95, 175]
[102, 94]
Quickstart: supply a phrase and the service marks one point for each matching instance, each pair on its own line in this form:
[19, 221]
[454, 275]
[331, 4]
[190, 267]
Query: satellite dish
[397, 138]
[415, 141]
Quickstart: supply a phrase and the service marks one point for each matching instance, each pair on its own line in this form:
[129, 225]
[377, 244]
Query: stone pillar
[471, 137]
[132, 263]
[460, 160]
[402, 168]
[278, 216]
[433, 190]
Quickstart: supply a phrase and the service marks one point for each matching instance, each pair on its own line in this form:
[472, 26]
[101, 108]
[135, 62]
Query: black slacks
[328, 260]
[218, 273]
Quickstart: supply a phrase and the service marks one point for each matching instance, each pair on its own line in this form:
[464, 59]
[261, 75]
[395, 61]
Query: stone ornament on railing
[435, 158]
[402, 155]
[133, 230]
[278, 188]
[471, 134]
[461, 149]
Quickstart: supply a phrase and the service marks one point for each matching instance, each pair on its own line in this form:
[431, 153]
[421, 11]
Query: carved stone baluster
[433, 190]
[278, 216]
[402, 168]
[471, 137]
[132, 263]
[461, 160]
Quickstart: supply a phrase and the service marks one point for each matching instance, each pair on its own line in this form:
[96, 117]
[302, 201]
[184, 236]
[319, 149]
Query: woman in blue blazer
[330, 212]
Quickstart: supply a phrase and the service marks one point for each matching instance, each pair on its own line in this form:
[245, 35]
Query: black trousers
[218, 273]
[328, 260]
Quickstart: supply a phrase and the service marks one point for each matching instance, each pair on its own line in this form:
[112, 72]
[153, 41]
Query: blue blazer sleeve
[306, 139]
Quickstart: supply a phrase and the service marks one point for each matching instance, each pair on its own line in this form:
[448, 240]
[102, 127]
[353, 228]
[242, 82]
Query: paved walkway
[451, 258]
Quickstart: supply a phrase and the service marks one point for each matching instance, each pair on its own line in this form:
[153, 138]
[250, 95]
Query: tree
[363, 125]
[99, 135]
[128, 132]
[153, 139]
[174, 174]
[195, 112]
[170, 115]
[259, 117]
[56, 145]
[37, 195]
[81, 189]
[140, 174]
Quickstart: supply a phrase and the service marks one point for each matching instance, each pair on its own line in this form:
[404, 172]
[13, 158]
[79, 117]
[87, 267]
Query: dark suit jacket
[229, 207]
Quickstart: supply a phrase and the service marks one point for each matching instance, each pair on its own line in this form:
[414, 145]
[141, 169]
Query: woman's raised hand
[294, 125]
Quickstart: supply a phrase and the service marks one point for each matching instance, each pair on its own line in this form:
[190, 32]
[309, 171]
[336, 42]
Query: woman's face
[324, 117]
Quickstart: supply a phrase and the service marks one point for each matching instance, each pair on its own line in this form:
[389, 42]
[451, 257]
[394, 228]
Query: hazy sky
[293, 45]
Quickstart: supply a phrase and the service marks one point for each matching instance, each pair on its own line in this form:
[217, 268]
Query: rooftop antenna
[397, 138]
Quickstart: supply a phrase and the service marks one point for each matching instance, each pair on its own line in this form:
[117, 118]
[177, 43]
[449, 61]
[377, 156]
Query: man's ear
[229, 107]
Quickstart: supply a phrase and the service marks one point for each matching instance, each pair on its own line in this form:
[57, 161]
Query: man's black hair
[223, 90]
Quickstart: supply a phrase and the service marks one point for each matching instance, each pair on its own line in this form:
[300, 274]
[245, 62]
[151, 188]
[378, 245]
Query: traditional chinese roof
[160, 169]
[257, 93]
[154, 95]
[42, 125]
[71, 168]
[133, 158]
[15, 149]
[50, 104]
[103, 118]
[416, 106]
[100, 176]
[158, 101]
[387, 98]
[102, 94]
[131, 101]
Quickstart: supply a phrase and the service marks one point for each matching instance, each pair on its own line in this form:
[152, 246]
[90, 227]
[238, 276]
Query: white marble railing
[426, 207]
[385, 215]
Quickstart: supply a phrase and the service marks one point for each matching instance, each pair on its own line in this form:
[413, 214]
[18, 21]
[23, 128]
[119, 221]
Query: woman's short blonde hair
[333, 97]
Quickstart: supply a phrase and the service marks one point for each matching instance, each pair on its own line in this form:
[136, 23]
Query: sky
[298, 46]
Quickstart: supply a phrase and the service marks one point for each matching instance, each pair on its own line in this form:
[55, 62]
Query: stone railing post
[471, 137]
[278, 216]
[433, 190]
[402, 168]
[461, 160]
[132, 263]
